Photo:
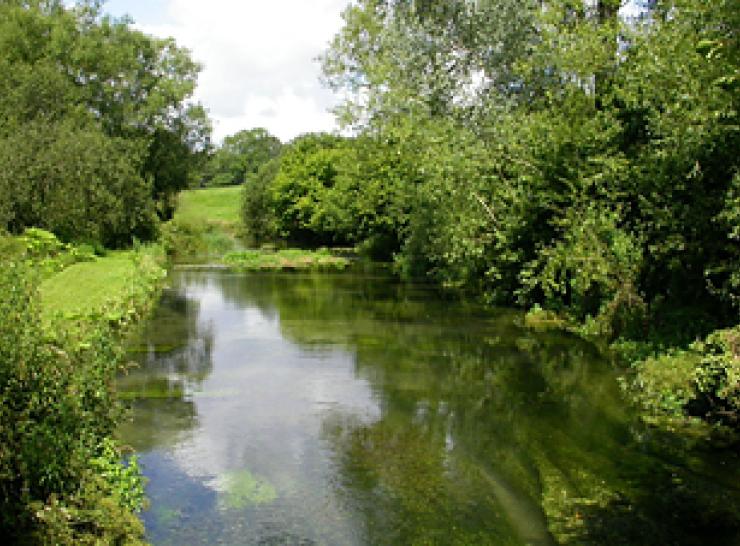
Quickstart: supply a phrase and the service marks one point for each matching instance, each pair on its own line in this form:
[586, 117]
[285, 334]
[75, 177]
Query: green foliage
[718, 378]
[240, 158]
[260, 260]
[664, 384]
[124, 480]
[310, 167]
[48, 254]
[428, 59]
[95, 134]
[591, 170]
[43, 167]
[63, 480]
[58, 406]
[190, 240]
[703, 381]
[257, 210]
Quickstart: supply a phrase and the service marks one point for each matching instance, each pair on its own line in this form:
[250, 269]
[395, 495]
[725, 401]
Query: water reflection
[350, 409]
[173, 355]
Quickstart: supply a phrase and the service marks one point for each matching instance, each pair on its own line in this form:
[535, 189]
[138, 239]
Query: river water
[351, 409]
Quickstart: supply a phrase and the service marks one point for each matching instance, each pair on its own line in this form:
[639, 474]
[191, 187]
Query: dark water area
[350, 409]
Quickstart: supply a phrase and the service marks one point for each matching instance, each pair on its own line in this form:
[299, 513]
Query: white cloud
[259, 60]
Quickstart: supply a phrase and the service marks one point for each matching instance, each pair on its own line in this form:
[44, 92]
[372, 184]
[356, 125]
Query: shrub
[57, 409]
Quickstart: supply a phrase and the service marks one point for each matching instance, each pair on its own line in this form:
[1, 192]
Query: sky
[258, 57]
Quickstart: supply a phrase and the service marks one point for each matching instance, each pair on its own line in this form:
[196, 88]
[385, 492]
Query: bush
[75, 182]
[57, 410]
[195, 240]
[718, 378]
[257, 210]
[702, 381]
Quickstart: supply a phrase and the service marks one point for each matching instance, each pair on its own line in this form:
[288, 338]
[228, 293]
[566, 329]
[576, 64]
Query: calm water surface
[348, 409]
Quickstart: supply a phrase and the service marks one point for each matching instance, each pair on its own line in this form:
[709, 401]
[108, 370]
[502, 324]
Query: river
[352, 409]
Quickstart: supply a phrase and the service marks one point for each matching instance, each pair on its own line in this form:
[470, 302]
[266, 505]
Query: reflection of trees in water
[172, 355]
[467, 408]
[493, 429]
[529, 430]
[174, 344]
[331, 308]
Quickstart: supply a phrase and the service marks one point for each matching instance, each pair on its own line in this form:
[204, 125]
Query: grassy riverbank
[119, 285]
[66, 312]
[207, 227]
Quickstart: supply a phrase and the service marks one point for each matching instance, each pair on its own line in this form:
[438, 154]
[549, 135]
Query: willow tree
[427, 58]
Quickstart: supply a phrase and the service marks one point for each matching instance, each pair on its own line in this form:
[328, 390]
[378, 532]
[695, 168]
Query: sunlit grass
[206, 225]
[88, 286]
[217, 205]
[256, 260]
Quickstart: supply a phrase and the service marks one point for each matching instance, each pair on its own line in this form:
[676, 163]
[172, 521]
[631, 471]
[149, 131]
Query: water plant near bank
[286, 259]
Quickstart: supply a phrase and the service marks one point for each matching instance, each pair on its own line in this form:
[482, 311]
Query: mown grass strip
[88, 285]
[116, 287]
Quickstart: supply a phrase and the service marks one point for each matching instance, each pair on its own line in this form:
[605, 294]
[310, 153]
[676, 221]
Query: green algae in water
[243, 489]
[166, 516]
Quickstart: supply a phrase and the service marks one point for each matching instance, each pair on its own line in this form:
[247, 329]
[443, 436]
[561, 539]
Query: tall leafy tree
[428, 58]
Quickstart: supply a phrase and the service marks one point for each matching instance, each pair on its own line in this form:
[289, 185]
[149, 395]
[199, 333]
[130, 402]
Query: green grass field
[212, 205]
[207, 224]
[88, 286]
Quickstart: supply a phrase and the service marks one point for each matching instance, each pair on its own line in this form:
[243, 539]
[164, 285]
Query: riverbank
[67, 312]
[120, 287]
[207, 229]
[680, 385]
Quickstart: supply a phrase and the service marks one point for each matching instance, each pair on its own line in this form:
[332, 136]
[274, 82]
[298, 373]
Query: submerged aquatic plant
[242, 489]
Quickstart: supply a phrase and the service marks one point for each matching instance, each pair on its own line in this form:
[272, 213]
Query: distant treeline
[547, 154]
[238, 159]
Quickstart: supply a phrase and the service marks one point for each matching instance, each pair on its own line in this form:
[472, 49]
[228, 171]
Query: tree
[75, 182]
[125, 93]
[573, 137]
[310, 167]
[240, 157]
[428, 58]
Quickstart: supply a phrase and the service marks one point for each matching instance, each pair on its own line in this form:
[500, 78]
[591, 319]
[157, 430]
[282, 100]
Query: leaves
[95, 132]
